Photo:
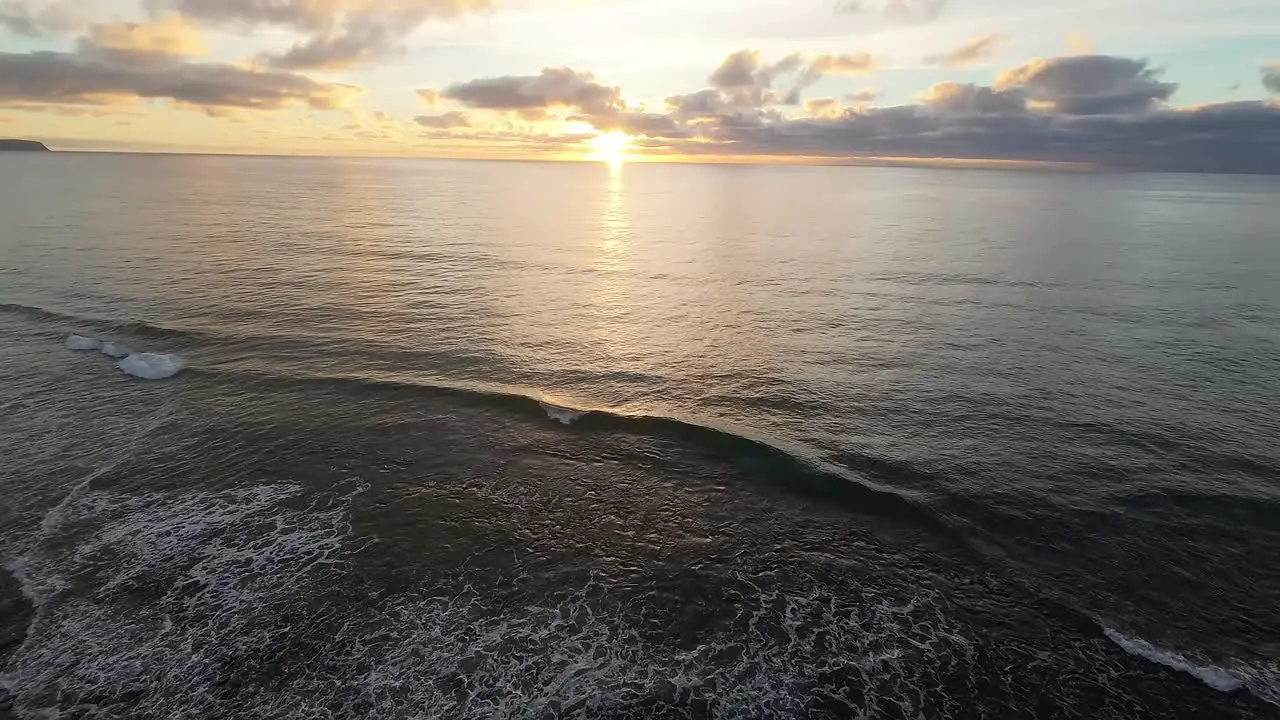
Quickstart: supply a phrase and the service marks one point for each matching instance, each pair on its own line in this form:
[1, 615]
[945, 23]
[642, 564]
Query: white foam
[564, 415]
[227, 565]
[151, 366]
[227, 573]
[115, 350]
[80, 342]
[1211, 675]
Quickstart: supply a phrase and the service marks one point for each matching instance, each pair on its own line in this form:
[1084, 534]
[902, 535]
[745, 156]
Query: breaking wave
[1260, 681]
[852, 487]
[562, 415]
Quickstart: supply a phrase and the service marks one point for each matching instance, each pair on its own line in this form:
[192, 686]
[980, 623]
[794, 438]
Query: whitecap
[151, 366]
[115, 350]
[561, 414]
[80, 342]
[1211, 675]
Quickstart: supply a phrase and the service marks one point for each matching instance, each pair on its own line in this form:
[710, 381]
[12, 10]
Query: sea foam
[80, 342]
[1213, 676]
[562, 414]
[151, 366]
[115, 350]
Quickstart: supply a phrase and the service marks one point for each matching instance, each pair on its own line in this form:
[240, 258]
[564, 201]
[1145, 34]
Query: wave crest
[561, 414]
[1215, 677]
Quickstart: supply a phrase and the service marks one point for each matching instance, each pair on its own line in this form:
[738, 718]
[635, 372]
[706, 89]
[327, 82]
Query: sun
[611, 147]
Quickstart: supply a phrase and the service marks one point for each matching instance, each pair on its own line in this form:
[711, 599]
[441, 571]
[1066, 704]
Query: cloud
[354, 45]
[737, 70]
[95, 111]
[909, 11]
[1094, 110]
[1232, 137]
[952, 98]
[1089, 84]
[823, 107]
[166, 40]
[447, 121]
[747, 81]
[864, 96]
[54, 77]
[316, 15]
[638, 124]
[34, 18]
[341, 33]
[532, 95]
[428, 98]
[1271, 78]
[847, 64]
[701, 104]
[974, 51]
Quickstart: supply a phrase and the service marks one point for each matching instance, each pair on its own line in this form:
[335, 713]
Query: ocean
[536, 440]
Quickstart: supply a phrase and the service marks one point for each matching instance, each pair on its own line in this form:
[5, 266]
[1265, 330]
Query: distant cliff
[22, 145]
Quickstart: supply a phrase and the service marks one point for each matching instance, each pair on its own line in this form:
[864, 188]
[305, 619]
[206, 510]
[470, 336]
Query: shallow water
[530, 440]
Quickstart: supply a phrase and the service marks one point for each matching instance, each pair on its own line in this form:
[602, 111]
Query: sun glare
[611, 147]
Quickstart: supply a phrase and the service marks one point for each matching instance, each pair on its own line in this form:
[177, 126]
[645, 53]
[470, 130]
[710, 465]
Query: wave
[1213, 676]
[789, 470]
[562, 415]
[102, 326]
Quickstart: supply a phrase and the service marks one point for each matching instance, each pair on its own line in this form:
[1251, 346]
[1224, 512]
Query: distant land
[22, 146]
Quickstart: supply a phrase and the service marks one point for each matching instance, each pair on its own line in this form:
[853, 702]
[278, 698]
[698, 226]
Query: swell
[135, 328]
[830, 485]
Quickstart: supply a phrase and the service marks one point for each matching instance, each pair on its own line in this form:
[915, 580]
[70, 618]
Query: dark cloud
[910, 11]
[746, 81]
[356, 44]
[639, 124]
[951, 98]
[446, 121]
[341, 33]
[532, 95]
[701, 104]
[974, 51]
[1271, 78]
[23, 17]
[737, 70]
[53, 77]
[1232, 137]
[1095, 110]
[1089, 84]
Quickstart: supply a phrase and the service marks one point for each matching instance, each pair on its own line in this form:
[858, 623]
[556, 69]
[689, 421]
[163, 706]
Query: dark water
[857, 442]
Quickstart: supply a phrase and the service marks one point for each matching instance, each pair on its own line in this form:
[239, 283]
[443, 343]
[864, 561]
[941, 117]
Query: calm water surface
[841, 442]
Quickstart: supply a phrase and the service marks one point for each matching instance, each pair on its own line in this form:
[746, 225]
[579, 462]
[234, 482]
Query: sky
[1132, 84]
